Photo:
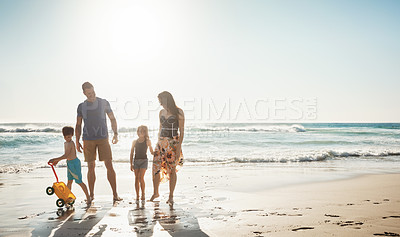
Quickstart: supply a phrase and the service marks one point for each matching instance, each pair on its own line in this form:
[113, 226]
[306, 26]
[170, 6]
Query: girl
[139, 164]
[168, 157]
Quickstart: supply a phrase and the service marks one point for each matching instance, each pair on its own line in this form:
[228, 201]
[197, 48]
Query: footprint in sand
[386, 217]
[277, 214]
[387, 234]
[302, 228]
[251, 210]
[295, 214]
[348, 223]
[329, 215]
[265, 214]
[30, 216]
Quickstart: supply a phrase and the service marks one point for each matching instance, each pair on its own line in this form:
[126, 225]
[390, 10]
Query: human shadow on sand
[152, 220]
[70, 222]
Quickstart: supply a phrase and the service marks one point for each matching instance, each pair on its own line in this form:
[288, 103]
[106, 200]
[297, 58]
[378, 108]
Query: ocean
[356, 147]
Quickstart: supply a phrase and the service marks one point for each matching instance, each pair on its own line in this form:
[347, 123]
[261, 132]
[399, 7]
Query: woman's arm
[131, 155]
[181, 118]
[159, 119]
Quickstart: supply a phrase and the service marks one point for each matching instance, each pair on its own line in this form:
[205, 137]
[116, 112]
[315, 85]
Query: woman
[168, 157]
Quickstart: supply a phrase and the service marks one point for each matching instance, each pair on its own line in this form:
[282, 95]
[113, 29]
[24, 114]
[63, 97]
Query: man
[95, 136]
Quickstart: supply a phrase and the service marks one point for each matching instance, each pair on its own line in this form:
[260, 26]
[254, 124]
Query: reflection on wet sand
[69, 223]
[175, 222]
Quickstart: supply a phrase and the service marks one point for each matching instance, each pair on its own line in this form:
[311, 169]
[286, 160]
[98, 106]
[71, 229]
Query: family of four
[167, 155]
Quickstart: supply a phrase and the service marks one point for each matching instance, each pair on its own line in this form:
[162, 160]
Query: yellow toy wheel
[50, 191]
[60, 202]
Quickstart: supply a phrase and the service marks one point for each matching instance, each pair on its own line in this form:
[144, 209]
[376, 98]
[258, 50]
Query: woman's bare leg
[172, 184]
[156, 184]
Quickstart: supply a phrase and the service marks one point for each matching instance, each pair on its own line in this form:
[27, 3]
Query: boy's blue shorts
[74, 170]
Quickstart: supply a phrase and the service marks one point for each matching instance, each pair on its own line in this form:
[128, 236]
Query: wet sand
[209, 201]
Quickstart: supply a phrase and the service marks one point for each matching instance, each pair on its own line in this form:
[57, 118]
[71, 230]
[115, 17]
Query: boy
[73, 163]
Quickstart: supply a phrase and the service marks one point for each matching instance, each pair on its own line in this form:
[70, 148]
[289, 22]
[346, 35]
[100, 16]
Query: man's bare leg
[91, 176]
[112, 179]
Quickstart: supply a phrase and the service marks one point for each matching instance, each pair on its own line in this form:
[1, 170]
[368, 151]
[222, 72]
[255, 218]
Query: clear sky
[263, 60]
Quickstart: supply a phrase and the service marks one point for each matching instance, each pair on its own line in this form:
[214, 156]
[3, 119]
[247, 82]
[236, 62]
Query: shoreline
[249, 201]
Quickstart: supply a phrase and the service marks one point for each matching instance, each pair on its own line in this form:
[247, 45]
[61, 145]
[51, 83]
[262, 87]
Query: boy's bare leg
[69, 184]
[91, 176]
[156, 184]
[85, 190]
[112, 179]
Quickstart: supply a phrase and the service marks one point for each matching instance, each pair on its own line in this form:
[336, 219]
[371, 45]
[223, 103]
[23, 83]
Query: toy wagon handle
[54, 171]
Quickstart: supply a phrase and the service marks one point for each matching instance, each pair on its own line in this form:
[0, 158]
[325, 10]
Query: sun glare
[136, 35]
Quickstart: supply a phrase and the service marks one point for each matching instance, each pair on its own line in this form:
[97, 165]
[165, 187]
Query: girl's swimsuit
[140, 161]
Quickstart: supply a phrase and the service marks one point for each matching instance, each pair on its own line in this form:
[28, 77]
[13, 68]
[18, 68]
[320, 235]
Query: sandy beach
[286, 114]
[210, 201]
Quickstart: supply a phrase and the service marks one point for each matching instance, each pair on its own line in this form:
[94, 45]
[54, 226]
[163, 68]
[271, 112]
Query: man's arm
[113, 127]
[78, 131]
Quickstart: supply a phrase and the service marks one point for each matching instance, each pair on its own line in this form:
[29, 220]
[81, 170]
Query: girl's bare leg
[142, 185]
[137, 182]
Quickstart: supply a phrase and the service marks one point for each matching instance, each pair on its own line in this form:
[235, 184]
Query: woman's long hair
[166, 99]
[145, 130]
